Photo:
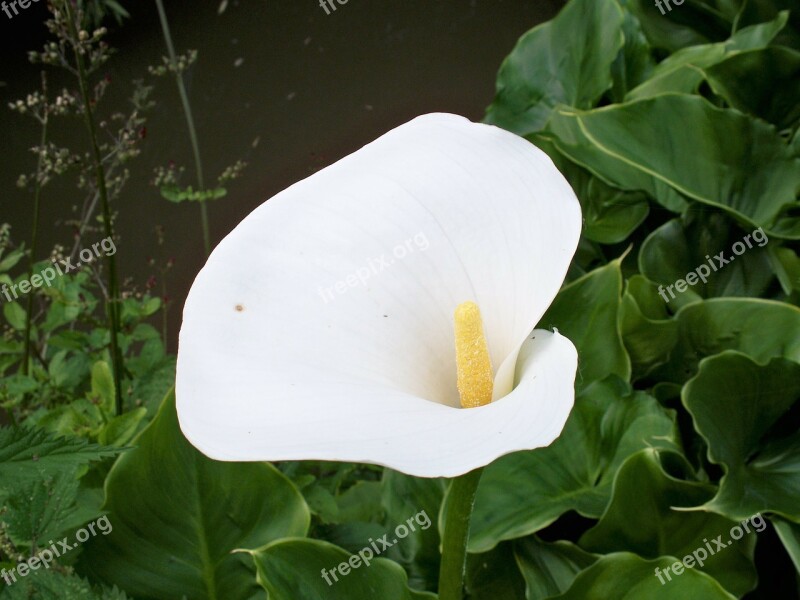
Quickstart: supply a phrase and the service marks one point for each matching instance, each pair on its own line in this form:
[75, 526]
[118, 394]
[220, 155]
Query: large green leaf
[688, 249]
[742, 410]
[542, 71]
[761, 329]
[494, 575]
[663, 529]
[550, 568]
[405, 496]
[724, 159]
[292, 569]
[524, 492]
[765, 83]
[177, 516]
[587, 312]
[789, 533]
[625, 576]
[683, 70]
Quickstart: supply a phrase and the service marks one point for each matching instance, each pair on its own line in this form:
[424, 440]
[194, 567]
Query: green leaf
[494, 575]
[56, 585]
[789, 534]
[292, 569]
[609, 215]
[174, 539]
[175, 194]
[103, 387]
[649, 335]
[761, 329]
[550, 568]
[40, 511]
[689, 24]
[26, 454]
[664, 529]
[120, 430]
[405, 496]
[15, 315]
[542, 71]
[634, 63]
[361, 502]
[524, 492]
[765, 83]
[724, 159]
[687, 249]
[741, 408]
[587, 312]
[323, 504]
[683, 71]
[11, 259]
[625, 576]
[787, 268]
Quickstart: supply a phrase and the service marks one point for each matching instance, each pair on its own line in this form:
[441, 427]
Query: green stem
[113, 301]
[460, 500]
[187, 111]
[37, 193]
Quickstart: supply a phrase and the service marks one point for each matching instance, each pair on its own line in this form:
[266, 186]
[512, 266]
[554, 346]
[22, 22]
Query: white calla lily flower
[322, 327]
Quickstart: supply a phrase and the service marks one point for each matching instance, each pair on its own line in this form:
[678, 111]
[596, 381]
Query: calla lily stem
[460, 500]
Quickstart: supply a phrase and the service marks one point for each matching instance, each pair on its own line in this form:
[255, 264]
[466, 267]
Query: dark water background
[310, 88]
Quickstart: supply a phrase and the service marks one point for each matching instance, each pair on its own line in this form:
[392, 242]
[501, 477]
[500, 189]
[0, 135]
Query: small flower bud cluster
[232, 172]
[182, 63]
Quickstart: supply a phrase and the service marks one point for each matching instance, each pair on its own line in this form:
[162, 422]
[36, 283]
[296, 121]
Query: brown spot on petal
[239, 308]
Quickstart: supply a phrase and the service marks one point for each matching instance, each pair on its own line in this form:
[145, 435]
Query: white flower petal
[326, 317]
[397, 430]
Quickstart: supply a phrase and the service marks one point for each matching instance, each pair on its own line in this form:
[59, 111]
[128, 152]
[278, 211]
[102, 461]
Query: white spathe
[322, 326]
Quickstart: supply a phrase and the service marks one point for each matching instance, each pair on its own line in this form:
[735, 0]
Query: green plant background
[680, 134]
